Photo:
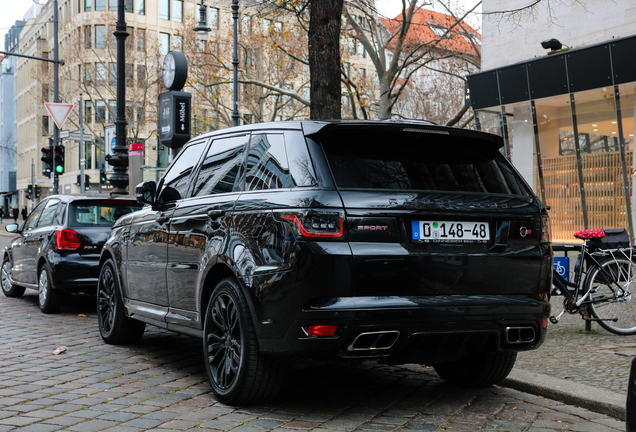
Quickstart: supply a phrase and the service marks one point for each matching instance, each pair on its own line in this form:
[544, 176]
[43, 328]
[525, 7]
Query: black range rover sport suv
[396, 241]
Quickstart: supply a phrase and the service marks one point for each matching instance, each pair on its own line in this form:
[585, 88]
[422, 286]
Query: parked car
[389, 240]
[57, 248]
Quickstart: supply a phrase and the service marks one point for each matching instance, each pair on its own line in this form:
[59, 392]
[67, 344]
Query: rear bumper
[429, 328]
[73, 273]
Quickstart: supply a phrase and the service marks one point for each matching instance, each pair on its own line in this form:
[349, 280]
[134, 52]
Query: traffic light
[87, 180]
[47, 158]
[58, 160]
[102, 176]
[29, 193]
[38, 191]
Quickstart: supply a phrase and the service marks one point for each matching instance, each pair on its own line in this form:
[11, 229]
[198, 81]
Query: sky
[13, 10]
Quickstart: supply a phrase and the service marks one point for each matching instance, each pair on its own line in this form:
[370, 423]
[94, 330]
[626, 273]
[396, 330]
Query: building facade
[567, 112]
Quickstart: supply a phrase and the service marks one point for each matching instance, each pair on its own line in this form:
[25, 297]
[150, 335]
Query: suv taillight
[315, 223]
[67, 239]
[546, 234]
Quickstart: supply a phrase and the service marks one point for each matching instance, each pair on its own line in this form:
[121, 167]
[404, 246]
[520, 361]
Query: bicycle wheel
[612, 295]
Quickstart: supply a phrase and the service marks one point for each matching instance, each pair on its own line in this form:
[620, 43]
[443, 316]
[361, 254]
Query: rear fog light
[320, 330]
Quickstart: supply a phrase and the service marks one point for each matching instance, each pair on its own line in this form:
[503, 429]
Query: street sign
[65, 134]
[59, 112]
[75, 136]
[174, 118]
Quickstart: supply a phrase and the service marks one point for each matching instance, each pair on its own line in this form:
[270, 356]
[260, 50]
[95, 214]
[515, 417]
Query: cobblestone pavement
[597, 358]
[160, 385]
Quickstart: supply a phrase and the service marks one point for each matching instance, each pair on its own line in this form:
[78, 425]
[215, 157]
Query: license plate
[450, 232]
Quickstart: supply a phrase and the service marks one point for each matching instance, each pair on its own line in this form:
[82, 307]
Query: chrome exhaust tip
[374, 341]
[520, 335]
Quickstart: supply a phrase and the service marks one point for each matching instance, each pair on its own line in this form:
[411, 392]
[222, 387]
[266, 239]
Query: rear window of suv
[99, 213]
[396, 160]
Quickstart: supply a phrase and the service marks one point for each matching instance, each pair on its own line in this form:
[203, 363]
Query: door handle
[215, 212]
[161, 218]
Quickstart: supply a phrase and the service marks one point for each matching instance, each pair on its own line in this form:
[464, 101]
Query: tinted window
[174, 184]
[221, 166]
[49, 213]
[98, 213]
[300, 165]
[267, 166]
[32, 219]
[383, 160]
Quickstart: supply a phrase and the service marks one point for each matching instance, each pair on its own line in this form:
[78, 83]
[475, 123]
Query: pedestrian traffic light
[29, 193]
[87, 180]
[38, 191]
[47, 158]
[58, 159]
[102, 176]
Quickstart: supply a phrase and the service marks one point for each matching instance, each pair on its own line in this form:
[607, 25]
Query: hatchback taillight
[67, 239]
[316, 223]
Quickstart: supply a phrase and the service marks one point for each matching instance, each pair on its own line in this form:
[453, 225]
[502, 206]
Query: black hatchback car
[57, 249]
[395, 241]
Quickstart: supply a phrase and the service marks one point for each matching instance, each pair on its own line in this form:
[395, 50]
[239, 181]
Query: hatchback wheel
[8, 288]
[478, 370]
[114, 326]
[238, 373]
[48, 299]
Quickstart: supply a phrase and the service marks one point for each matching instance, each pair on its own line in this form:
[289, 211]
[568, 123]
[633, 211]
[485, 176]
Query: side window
[60, 214]
[30, 222]
[267, 166]
[221, 166]
[174, 184]
[49, 212]
[300, 165]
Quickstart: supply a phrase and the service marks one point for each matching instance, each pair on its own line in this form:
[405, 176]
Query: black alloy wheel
[238, 373]
[8, 288]
[114, 326]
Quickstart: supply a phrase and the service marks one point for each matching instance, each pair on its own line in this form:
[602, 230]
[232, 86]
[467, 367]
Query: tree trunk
[324, 59]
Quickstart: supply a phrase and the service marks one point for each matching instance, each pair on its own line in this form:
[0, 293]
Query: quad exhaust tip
[374, 341]
[520, 335]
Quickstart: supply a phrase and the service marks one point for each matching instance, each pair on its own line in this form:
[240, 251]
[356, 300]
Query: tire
[8, 288]
[114, 326]
[48, 300]
[238, 373]
[623, 309]
[477, 370]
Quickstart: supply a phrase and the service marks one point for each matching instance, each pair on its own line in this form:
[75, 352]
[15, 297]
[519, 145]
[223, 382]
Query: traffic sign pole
[81, 143]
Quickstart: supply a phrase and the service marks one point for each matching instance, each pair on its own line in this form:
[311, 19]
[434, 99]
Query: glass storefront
[576, 150]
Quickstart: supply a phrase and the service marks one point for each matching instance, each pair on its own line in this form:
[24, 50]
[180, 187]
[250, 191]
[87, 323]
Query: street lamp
[202, 31]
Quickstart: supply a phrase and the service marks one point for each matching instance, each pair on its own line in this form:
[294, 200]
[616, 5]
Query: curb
[592, 398]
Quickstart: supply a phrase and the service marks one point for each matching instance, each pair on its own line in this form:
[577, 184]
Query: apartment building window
[100, 112]
[177, 42]
[246, 25]
[164, 9]
[130, 75]
[88, 112]
[130, 113]
[88, 74]
[130, 40]
[45, 125]
[278, 26]
[45, 92]
[214, 18]
[100, 36]
[88, 37]
[112, 74]
[141, 7]
[128, 5]
[141, 117]
[141, 40]
[141, 76]
[360, 48]
[164, 43]
[177, 10]
[100, 5]
[267, 23]
[112, 111]
[88, 5]
[101, 74]
[347, 69]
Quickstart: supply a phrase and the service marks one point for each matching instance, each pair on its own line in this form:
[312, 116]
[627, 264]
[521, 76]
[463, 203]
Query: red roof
[421, 31]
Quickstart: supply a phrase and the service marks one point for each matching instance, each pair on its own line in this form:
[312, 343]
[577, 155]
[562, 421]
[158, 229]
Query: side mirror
[145, 192]
[12, 228]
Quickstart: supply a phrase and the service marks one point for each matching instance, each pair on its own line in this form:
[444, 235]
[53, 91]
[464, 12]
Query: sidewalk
[588, 369]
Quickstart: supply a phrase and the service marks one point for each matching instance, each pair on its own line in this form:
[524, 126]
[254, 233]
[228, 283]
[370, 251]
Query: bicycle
[604, 278]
